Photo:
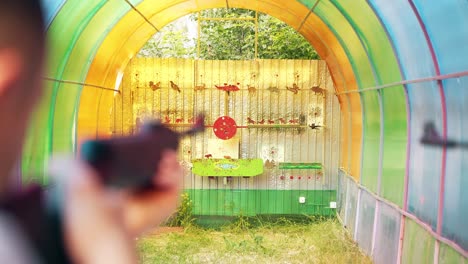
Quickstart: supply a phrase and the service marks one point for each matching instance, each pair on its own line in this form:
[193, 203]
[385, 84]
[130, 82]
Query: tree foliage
[230, 39]
[171, 41]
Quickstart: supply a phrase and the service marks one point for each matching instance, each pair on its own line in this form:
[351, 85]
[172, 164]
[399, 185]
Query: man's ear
[10, 69]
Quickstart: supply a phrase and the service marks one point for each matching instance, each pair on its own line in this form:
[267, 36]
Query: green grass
[241, 242]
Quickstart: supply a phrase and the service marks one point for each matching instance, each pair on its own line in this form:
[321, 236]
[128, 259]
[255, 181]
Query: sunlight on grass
[322, 242]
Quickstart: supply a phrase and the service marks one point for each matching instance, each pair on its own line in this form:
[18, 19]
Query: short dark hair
[29, 12]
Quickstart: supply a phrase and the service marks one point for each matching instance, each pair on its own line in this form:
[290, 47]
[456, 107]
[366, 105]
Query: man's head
[22, 43]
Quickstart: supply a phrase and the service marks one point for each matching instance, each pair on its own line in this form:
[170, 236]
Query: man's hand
[101, 224]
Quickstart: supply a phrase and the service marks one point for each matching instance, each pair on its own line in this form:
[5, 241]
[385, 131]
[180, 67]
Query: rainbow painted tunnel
[395, 65]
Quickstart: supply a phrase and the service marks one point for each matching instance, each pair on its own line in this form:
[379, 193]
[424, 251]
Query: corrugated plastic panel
[425, 165]
[418, 245]
[387, 237]
[456, 197]
[445, 22]
[365, 226]
[351, 205]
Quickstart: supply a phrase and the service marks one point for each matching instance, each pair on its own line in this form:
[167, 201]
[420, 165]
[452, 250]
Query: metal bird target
[225, 127]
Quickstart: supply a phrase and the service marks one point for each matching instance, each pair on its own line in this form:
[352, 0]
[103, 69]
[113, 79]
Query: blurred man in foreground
[99, 225]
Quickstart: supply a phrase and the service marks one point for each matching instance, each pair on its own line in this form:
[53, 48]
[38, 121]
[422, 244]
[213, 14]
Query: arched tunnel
[395, 65]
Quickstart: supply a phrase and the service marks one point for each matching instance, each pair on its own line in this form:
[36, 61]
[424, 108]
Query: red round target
[225, 127]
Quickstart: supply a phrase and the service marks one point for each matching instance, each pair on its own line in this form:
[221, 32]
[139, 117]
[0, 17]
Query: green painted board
[227, 167]
[300, 166]
[229, 202]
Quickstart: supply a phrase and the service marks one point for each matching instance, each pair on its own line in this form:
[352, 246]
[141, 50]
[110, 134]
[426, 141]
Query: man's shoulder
[14, 247]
